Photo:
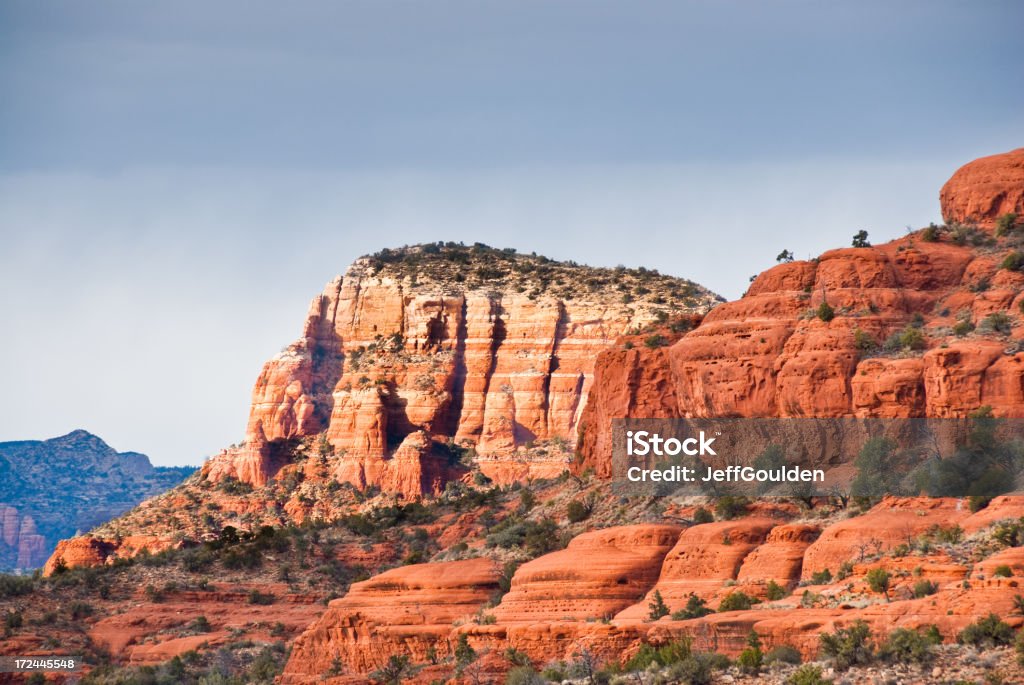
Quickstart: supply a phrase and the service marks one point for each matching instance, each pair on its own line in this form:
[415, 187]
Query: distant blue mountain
[51, 489]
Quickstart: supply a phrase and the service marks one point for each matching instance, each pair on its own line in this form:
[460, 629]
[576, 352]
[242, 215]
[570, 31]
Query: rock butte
[493, 381]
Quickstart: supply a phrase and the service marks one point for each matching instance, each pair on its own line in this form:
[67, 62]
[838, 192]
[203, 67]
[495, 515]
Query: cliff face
[51, 489]
[923, 326]
[419, 354]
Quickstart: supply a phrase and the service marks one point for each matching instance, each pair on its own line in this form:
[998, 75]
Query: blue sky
[178, 179]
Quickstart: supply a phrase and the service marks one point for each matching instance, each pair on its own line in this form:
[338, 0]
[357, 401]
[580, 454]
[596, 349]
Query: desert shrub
[906, 646]
[864, 341]
[996, 322]
[735, 601]
[978, 502]
[909, 338]
[578, 511]
[774, 591]
[930, 234]
[698, 669]
[860, 239]
[201, 624]
[657, 607]
[1013, 261]
[923, 588]
[825, 312]
[15, 586]
[848, 647]
[13, 620]
[1002, 571]
[536, 537]
[989, 631]
[1009, 533]
[823, 577]
[702, 515]
[257, 597]
[524, 675]
[962, 327]
[664, 655]
[655, 341]
[730, 506]
[784, 654]
[808, 674]
[751, 659]
[878, 580]
[695, 608]
[1006, 223]
[80, 610]
[394, 671]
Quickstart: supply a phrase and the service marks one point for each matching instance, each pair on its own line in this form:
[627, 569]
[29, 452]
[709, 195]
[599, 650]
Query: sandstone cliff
[418, 351]
[927, 325]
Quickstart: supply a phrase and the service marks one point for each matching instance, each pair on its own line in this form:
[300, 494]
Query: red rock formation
[768, 354]
[596, 576]
[891, 523]
[388, 351]
[405, 610]
[985, 189]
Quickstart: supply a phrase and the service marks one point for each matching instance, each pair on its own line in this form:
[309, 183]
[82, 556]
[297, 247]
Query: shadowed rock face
[50, 489]
[434, 344]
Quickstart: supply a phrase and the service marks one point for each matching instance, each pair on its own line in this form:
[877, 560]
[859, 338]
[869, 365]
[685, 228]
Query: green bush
[825, 312]
[1006, 223]
[923, 588]
[751, 659]
[783, 654]
[774, 591]
[989, 631]
[657, 607]
[808, 675]
[695, 608]
[702, 515]
[821, 577]
[905, 646]
[697, 669]
[878, 580]
[14, 586]
[735, 601]
[848, 647]
[864, 341]
[860, 239]
[655, 341]
[665, 655]
[978, 502]
[577, 511]
[996, 322]
[1013, 261]
[930, 234]
[524, 675]
[962, 327]
[909, 338]
[1002, 571]
[729, 507]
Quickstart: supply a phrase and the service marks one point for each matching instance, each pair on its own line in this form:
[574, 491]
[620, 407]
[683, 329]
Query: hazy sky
[179, 179]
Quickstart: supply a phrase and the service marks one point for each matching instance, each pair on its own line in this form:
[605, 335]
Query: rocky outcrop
[52, 489]
[408, 610]
[983, 190]
[776, 352]
[471, 347]
[596, 576]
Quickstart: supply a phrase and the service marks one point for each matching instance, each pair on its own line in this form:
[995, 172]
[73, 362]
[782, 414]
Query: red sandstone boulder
[985, 189]
[597, 575]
